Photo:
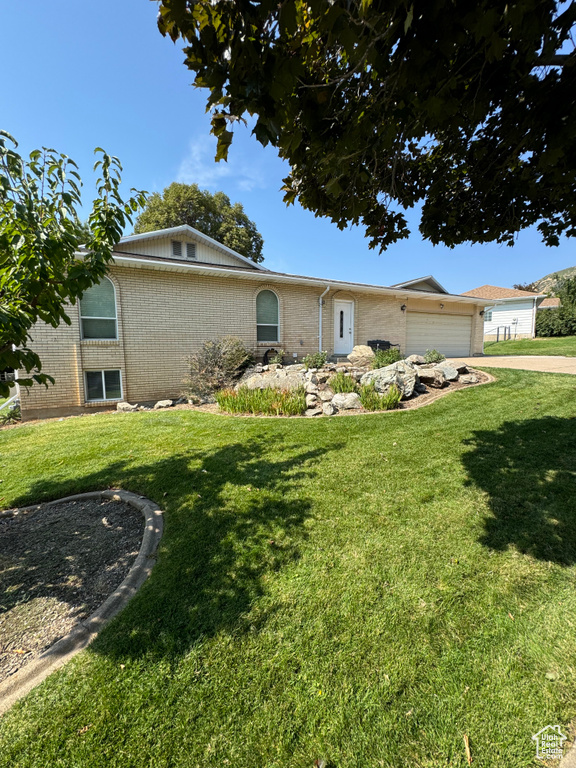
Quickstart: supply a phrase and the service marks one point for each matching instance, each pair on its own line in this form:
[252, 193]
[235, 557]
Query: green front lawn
[538, 346]
[361, 589]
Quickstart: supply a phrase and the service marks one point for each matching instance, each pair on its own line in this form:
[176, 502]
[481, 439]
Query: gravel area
[57, 565]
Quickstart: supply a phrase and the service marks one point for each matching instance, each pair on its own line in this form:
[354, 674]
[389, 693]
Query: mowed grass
[364, 590]
[539, 346]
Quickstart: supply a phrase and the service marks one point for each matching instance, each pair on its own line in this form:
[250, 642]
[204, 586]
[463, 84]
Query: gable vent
[176, 248]
[190, 250]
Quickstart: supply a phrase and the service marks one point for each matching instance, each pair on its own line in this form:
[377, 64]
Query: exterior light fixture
[481, 313]
[403, 308]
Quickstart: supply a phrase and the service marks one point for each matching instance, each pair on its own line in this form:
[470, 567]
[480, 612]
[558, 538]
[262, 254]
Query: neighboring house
[552, 302]
[169, 291]
[514, 314]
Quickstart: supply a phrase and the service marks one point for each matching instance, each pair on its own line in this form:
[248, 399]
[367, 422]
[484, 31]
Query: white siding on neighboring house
[518, 315]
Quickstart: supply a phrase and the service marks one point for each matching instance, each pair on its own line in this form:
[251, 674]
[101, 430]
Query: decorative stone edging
[22, 681]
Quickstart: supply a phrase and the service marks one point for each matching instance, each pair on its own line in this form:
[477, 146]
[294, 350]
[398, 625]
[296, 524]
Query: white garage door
[449, 334]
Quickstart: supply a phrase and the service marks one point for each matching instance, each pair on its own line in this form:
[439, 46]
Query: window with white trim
[98, 311]
[103, 385]
[488, 316]
[267, 316]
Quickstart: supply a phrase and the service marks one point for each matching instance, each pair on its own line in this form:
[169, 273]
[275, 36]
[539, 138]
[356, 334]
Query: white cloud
[199, 167]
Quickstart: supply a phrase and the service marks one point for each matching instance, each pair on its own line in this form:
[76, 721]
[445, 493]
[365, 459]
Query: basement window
[103, 385]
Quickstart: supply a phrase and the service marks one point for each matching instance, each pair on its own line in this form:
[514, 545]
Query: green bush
[556, 322]
[268, 401]
[10, 414]
[376, 401]
[315, 360]
[216, 365]
[433, 356]
[384, 357]
[278, 358]
[343, 382]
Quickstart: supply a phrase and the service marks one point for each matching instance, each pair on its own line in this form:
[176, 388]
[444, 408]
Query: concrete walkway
[547, 363]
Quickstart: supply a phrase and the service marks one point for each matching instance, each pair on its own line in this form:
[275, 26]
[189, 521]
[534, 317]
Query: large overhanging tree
[42, 270]
[466, 109]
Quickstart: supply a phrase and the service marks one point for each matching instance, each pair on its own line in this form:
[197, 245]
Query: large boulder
[326, 395]
[329, 409]
[416, 360]
[311, 401]
[313, 412]
[283, 378]
[432, 377]
[401, 374]
[449, 371]
[469, 378]
[362, 356]
[346, 401]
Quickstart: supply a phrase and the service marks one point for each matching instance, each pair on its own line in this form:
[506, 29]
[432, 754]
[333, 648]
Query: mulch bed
[57, 565]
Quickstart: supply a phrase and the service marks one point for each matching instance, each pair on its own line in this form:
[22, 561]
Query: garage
[449, 334]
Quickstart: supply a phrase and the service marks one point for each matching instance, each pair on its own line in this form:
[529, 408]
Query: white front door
[343, 327]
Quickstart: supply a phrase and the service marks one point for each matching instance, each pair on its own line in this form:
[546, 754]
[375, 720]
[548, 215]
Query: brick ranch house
[170, 290]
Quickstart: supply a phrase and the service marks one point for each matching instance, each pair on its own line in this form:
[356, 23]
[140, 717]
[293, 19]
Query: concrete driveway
[549, 364]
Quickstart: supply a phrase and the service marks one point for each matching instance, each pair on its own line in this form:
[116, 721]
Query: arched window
[98, 311]
[267, 316]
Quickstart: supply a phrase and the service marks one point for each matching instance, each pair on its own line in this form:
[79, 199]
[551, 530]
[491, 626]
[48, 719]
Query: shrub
[343, 382]
[384, 357]
[10, 414]
[216, 365]
[315, 360]
[556, 322]
[433, 356]
[278, 358]
[268, 401]
[372, 400]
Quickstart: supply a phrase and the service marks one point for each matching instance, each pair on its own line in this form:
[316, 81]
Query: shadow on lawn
[528, 469]
[229, 524]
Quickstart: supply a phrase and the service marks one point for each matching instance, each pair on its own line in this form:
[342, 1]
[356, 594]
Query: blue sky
[77, 75]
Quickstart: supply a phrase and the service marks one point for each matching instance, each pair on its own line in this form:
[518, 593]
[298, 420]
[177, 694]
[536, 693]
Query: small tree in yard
[41, 269]
[216, 365]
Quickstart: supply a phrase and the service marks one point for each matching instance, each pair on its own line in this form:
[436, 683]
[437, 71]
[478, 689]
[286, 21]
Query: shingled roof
[494, 292]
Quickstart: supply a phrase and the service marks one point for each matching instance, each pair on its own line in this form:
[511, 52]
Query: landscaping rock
[346, 401]
[400, 374]
[460, 367]
[326, 395]
[362, 356]
[469, 378]
[163, 404]
[449, 371]
[126, 407]
[420, 388]
[313, 412]
[432, 377]
[311, 401]
[281, 379]
[329, 409]
[416, 360]
[311, 388]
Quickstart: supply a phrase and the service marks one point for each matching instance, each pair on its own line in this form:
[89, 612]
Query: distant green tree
[561, 321]
[212, 214]
[41, 269]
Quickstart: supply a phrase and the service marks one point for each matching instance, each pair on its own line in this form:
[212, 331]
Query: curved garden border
[22, 681]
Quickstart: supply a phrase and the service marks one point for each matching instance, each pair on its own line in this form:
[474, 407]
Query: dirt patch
[58, 563]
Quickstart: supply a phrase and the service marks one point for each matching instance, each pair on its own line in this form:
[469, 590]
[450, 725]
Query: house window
[176, 248]
[488, 316]
[98, 311]
[267, 316]
[190, 250]
[103, 385]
